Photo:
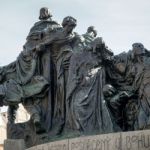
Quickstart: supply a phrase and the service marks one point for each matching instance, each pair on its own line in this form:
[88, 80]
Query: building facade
[22, 116]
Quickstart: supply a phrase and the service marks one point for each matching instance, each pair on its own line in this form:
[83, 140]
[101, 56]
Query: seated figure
[119, 103]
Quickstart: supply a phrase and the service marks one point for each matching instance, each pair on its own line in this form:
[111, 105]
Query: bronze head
[138, 49]
[138, 52]
[45, 13]
[91, 29]
[69, 23]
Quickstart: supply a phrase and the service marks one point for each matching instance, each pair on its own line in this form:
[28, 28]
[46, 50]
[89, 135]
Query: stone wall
[137, 140]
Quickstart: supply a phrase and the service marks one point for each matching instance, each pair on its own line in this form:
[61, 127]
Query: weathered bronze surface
[74, 85]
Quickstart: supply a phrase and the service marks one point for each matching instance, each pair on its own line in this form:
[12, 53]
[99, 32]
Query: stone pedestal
[14, 144]
[136, 140]
[59, 145]
[97, 142]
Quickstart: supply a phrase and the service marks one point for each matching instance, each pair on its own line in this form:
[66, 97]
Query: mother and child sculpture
[74, 85]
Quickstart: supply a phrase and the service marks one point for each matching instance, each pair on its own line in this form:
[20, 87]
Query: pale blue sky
[119, 22]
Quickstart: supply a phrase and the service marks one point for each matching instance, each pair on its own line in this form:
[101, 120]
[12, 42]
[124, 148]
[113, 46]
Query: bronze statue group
[72, 84]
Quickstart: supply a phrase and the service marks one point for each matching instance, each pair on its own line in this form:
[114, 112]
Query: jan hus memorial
[76, 90]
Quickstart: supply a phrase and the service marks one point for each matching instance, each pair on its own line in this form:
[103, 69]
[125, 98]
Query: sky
[119, 22]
